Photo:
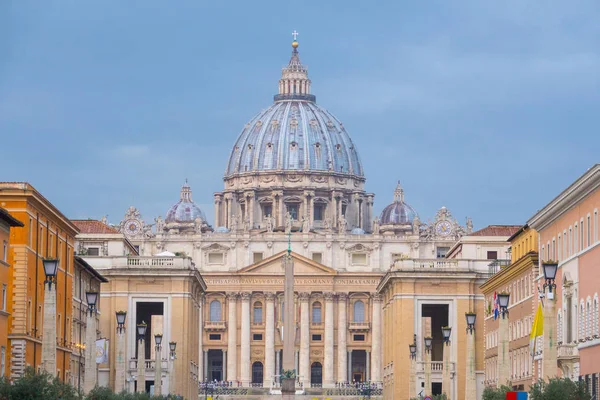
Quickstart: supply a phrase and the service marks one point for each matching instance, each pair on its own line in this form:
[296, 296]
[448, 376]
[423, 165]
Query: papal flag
[101, 351]
[537, 329]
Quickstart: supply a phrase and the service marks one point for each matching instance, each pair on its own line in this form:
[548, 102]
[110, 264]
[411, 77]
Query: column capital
[232, 296]
[376, 297]
[329, 296]
[342, 296]
[309, 193]
[245, 296]
[269, 296]
[277, 193]
[304, 296]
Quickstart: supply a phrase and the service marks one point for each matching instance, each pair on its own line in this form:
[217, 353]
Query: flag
[496, 306]
[101, 351]
[537, 329]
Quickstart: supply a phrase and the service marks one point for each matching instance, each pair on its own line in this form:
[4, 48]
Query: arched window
[257, 372]
[559, 334]
[588, 320]
[215, 310]
[316, 374]
[258, 316]
[596, 333]
[359, 311]
[316, 312]
[581, 320]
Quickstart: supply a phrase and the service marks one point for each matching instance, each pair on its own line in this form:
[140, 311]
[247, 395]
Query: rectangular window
[30, 231]
[317, 257]
[257, 336]
[589, 231]
[256, 257]
[319, 212]
[492, 255]
[293, 210]
[215, 258]
[93, 251]
[4, 251]
[359, 259]
[2, 360]
[214, 336]
[267, 210]
[4, 288]
[316, 338]
[359, 338]
[441, 251]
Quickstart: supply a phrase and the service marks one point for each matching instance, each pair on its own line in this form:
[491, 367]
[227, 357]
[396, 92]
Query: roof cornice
[578, 190]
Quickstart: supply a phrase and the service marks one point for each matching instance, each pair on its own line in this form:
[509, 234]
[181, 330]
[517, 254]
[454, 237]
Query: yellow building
[518, 279]
[46, 233]
[7, 222]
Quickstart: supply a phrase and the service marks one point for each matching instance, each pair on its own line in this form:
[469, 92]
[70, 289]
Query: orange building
[46, 233]
[7, 222]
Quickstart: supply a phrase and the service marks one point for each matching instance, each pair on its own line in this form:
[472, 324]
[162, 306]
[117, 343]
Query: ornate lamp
[503, 299]
[91, 298]
[428, 341]
[50, 268]
[413, 351]
[158, 340]
[470, 321]
[121, 316]
[172, 347]
[446, 331]
[141, 330]
[550, 268]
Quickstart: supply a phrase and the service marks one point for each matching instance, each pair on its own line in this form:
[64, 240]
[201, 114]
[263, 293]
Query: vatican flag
[537, 329]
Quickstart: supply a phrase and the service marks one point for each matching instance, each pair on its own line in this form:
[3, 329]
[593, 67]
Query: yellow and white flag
[537, 329]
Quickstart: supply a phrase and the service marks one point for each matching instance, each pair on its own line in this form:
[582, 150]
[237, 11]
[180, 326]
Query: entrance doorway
[215, 366]
[359, 365]
[439, 318]
[316, 374]
[257, 372]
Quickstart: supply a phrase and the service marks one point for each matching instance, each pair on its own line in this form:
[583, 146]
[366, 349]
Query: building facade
[46, 233]
[518, 279]
[568, 230]
[7, 222]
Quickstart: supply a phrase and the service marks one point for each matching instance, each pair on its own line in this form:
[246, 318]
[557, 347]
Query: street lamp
[550, 268]
[92, 298]
[446, 331]
[172, 347]
[121, 316]
[503, 299]
[470, 321]
[141, 330]
[158, 365]
[413, 351]
[120, 361]
[141, 361]
[50, 268]
[428, 340]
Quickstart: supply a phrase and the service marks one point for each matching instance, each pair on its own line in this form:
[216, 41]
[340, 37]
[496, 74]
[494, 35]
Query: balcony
[143, 262]
[316, 325]
[149, 365]
[567, 352]
[359, 326]
[215, 326]
[497, 266]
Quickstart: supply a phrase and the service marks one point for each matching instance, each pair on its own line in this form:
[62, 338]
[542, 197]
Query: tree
[496, 393]
[559, 389]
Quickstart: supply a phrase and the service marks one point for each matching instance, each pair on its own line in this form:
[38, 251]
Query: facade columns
[333, 209]
[328, 369]
[349, 366]
[446, 384]
[376, 359]
[245, 339]
[278, 209]
[549, 356]
[412, 378]
[232, 337]
[141, 366]
[427, 388]
[277, 366]
[304, 361]
[200, 337]
[49, 331]
[471, 383]
[205, 358]
[503, 362]
[120, 363]
[224, 362]
[89, 378]
[268, 376]
[368, 364]
[217, 198]
[342, 337]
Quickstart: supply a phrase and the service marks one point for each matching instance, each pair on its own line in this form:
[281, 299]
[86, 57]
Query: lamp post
[428, 341]
[141, 357]
[89, 377]
[471, 383]
[550, 350]
[158, 365]
[172, 358]
[412, 348]
[49, 326]
[120, 362]
[446, 333]
[503, 362]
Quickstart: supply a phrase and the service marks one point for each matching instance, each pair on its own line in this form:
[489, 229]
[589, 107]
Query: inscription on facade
[297, 281]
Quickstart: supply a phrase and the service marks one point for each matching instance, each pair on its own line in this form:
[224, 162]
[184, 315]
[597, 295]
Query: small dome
[357, 231]
[185, 210]
[398, 213]
[221, 229]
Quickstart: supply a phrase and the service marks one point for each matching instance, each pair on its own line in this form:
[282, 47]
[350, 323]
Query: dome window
[269, 145]
[294, 145]
[317, 145]
[249, 147]
[338, 147]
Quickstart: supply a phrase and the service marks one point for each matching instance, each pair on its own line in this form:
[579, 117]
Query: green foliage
[496, 393]
[559, 389]
[288, 374]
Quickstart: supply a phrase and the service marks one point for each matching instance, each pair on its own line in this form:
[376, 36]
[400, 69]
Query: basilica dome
[185, 210]
[294, 134]
[398, 213]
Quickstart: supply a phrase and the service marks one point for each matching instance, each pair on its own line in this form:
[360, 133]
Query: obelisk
[289, 324]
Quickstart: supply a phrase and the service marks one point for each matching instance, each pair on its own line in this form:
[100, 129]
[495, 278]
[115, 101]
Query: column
[172, 374]
[232, 337]
[269, 372]
[223, 362]
[311, 209]
[368, 363]
[89, 378]
[201, 375]
[277, 367]
[332, 209]
[158, 371]
[349, 366]
[120, 363]
[49, 331]
[376, 339]
[427, 389]
[549, 363]
[412, 379]
[245, 339]
[342, 366]
[328, 370]
[446, 385]
[471, 383]
[305, 207]
[357, 208]
[217, 210]
[304, 362]
[141, 367]
[503, 362]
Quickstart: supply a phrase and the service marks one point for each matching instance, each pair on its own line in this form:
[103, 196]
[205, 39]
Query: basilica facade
[294, 179]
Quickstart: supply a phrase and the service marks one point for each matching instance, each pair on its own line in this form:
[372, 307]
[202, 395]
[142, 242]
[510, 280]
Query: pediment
[274, 266]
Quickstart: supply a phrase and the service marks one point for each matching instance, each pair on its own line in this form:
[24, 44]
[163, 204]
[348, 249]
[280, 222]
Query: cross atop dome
[294, 82]
[295, 35]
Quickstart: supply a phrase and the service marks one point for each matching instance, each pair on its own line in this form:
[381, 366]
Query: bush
[496, 393]
[559, 389]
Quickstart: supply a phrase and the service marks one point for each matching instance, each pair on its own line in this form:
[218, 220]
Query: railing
[445, 264]
[215, 325]
[258, 324]
[436, 366]
[316, 324]
[359, 326]
[568, 351]
[256, 385]
[497, 266]
[149, 364]
[133, 262]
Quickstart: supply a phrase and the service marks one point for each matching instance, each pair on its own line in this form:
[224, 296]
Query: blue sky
[488, 108]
